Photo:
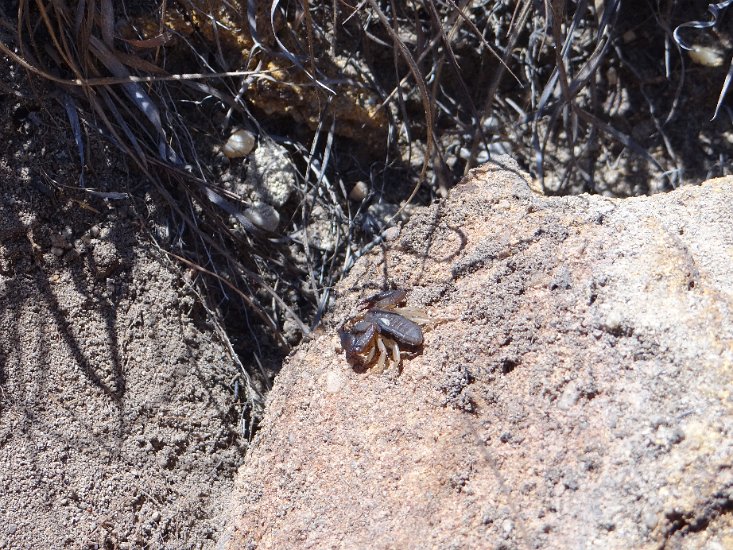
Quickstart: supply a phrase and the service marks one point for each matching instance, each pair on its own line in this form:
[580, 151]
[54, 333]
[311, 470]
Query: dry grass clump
[377, 102]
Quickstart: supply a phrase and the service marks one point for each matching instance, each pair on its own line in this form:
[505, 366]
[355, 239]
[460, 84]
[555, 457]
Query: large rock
[576, 392]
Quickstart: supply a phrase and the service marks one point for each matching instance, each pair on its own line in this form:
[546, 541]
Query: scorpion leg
[396, 353]
[381, 363]
[370, 356]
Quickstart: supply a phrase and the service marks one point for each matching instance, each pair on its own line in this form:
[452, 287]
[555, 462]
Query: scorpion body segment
[380, 329]
[399, 327]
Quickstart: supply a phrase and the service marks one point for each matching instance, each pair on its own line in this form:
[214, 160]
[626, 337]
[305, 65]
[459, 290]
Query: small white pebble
[263, 216]
[334, 382]
[650, 520]
[706, 56]
[359, 191]
[239, 144]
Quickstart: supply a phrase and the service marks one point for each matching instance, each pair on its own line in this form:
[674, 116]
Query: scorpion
[380, 326]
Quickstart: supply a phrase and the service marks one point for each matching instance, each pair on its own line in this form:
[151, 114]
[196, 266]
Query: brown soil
[118, 425]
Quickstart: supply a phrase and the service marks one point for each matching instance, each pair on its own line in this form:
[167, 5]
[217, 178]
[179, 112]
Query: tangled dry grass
[395, 99]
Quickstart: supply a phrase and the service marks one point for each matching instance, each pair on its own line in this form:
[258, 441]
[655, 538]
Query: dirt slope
[117, 423]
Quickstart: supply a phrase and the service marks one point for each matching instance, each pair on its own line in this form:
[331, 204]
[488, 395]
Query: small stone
[569, 397]
[56, 251]
[263, 216]
[706, 56]
[240, 144]
[359, 192]
[650, 520]
[391, 233]
[334, 382]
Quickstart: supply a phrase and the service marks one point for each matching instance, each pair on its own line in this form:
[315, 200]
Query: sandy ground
[118, 425]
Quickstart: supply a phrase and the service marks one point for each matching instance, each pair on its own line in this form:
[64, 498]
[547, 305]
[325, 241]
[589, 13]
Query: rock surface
[574, 391]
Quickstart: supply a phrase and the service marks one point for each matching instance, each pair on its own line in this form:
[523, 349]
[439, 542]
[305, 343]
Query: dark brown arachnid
[381, 326]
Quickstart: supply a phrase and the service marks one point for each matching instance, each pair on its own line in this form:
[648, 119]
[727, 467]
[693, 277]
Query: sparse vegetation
[377, 104]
